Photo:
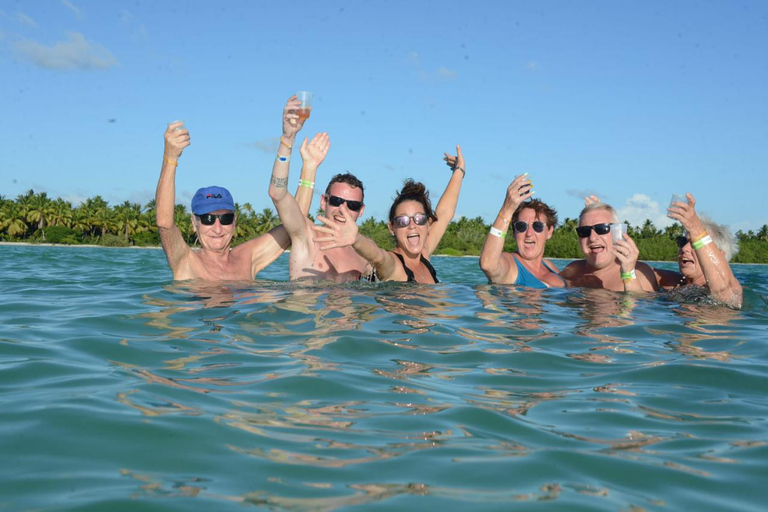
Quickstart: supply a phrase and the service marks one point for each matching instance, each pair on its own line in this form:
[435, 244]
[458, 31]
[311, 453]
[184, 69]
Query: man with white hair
[607, 264]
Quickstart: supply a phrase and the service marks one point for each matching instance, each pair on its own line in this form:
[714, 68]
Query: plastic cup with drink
[305, 109]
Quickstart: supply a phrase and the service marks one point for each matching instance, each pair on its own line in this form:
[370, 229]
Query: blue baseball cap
[210, 199]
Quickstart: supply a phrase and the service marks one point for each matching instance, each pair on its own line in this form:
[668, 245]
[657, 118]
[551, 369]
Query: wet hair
[593, 207]
[349, 179]
[413, 191]
[538, 206]
[721, 236]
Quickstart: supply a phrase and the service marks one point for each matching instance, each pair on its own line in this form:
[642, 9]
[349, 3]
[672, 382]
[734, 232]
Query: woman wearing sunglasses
[702, 256]
[532, 224]
[416, 228]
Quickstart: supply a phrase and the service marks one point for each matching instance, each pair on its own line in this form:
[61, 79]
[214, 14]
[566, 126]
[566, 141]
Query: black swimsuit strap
[409, 272]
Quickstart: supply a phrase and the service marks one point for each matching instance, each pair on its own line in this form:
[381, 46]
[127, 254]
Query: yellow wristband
[285, 143]
[699, 237]
[172, 162]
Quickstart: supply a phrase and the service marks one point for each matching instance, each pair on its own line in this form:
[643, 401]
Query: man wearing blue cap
[214, 221]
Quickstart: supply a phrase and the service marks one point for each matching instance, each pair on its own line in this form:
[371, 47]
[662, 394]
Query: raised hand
[335, 234]
[456, 162]
[176, 139]
[591, 199]
[518, 191]
[291, 121]
[685, 213]
[313, 152]
[627, 253]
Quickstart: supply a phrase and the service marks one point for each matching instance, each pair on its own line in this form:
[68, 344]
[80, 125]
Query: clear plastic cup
[305, 109]
[182, 127]
[677, 198]
[617, 232]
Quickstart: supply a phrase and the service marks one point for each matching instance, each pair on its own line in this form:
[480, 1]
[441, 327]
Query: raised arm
[333, 235]
[720, 279]
[176, 249]
[498, 269]
[292, 216]
[446, 206]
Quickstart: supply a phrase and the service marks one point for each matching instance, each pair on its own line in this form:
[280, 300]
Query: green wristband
[628, 275]
[698, 244]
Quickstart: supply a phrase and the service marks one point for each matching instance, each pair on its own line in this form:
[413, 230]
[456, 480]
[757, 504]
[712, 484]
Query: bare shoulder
[551, 265]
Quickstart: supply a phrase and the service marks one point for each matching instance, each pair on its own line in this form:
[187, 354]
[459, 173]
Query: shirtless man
[609, 265]
[308, 260]
[214, 219]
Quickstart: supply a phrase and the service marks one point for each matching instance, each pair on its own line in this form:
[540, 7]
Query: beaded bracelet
[497, 232]
[698, 244]
[307, 183]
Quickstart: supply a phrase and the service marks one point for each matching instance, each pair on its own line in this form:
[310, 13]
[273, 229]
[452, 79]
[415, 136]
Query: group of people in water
[334, 250]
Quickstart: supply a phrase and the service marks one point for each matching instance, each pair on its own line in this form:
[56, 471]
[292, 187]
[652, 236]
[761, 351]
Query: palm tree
[127, 218]
[266, 220]
[62, 213]
[12, 220]
[40, 210]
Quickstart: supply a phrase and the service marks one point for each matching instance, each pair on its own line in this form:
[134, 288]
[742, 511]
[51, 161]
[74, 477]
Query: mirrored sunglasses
[338, 201]
[600, 229]
[402, 221]
[521, 226]
[209, 219]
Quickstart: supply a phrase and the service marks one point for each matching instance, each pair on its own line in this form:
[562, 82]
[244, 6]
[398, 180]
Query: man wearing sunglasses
[607, 264]
[214, 217]
[702, 256]
[308, 261]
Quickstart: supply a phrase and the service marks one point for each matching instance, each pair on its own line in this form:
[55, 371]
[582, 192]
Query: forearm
[446, 206]
[380, 259]
[490, 256]
[306, 187]
[165, 195]
[278, 182]
[717, 272]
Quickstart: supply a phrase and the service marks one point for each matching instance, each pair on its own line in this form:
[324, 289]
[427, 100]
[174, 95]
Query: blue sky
[632, 101]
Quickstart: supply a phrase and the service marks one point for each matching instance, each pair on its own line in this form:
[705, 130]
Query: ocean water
[120, 390]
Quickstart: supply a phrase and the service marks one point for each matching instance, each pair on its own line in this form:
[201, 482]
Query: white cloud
[442, 73]
[26, 20]
[69, 5]
[640, 207]
[267, 145]
[73, 53]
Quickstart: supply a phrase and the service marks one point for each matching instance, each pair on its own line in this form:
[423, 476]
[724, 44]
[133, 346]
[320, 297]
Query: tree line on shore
[34, 217]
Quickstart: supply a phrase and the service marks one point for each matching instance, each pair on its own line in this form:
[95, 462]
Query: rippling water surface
[120, 390]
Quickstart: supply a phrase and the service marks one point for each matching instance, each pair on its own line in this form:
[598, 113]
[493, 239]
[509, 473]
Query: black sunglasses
[402, 221]
[682, 241]
[209, 219]
[521, 226]
[600, 229]
[338, 201]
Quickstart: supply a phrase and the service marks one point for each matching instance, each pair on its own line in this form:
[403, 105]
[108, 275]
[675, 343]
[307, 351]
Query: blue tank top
[525, 278]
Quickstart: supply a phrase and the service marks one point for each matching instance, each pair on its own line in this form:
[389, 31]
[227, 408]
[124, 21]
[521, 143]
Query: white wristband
[497, 232]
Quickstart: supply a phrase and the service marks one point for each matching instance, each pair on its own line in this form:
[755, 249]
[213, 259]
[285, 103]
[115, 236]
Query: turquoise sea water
[120, 390]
